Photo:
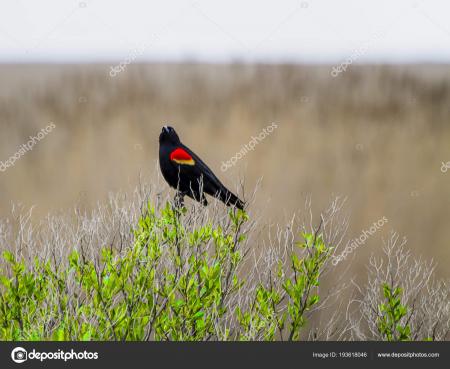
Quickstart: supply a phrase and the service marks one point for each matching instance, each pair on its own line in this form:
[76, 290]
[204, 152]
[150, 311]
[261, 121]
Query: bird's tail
[230, 199]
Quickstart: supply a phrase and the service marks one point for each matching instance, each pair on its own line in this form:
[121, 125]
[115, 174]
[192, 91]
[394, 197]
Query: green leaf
[8, 256]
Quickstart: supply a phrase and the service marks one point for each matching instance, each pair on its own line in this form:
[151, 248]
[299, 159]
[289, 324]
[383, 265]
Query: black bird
[188, 174]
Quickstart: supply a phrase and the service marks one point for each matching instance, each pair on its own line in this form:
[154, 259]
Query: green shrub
[169, 285]
[179, 280]
[391, 323]
[268, 314]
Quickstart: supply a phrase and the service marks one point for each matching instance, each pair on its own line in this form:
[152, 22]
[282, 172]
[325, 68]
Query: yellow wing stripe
[185, 162]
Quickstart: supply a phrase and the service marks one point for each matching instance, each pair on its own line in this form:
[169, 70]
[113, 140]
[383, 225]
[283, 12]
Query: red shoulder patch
[181, 156]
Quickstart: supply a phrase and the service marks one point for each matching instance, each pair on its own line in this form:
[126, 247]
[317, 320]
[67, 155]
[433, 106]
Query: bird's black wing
[211, 184]
[204, 169]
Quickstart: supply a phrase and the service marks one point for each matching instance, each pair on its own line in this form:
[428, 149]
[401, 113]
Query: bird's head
[168, 135]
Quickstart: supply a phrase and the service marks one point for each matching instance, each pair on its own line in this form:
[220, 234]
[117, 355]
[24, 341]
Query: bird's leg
[203, 199]
[179, 200]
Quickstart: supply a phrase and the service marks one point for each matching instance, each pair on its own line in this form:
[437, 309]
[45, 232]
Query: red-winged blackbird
[188, 174]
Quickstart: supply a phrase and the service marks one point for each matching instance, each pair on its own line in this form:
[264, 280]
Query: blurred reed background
[375, 134]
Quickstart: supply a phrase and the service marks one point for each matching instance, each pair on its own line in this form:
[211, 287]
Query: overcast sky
[229, 30]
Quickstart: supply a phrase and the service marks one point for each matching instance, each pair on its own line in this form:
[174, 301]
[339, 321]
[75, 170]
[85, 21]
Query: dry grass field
[376, 135]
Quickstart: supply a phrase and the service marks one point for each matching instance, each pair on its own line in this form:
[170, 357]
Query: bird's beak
[165, 129]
